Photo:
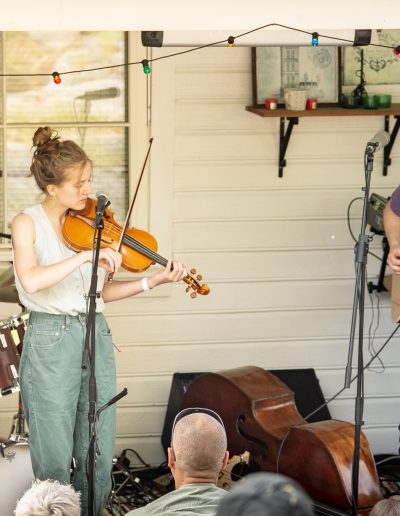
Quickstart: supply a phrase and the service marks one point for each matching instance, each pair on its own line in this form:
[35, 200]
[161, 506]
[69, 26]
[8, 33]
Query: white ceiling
[197, 14]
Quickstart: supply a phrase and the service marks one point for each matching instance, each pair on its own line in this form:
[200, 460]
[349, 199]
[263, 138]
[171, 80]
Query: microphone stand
[89, 351]
[361, 253]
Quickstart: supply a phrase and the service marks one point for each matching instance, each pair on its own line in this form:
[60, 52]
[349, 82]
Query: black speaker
[303, 382]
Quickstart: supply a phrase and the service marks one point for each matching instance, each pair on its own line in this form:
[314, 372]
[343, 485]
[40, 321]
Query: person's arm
[34, 277]
[122, 289]
[392, 231]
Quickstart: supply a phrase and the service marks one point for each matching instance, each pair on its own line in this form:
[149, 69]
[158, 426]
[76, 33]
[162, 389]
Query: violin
[137, 247]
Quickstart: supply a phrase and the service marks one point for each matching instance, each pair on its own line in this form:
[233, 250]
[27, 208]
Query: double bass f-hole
[243, 433]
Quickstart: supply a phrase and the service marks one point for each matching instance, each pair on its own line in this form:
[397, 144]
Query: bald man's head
[199, 444]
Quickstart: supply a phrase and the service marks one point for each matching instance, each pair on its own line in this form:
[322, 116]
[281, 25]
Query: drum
[15, 473]
[19, 324]
[9, 359]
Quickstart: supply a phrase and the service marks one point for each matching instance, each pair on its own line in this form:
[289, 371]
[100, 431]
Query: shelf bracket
[387, 161]
[284, 137]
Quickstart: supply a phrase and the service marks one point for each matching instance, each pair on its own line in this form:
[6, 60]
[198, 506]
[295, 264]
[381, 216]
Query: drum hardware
[18, 432]
[9, 359]
[16, 473]
[12, 334]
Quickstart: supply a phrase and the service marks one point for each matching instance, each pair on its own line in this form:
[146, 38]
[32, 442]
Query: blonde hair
[53, 157]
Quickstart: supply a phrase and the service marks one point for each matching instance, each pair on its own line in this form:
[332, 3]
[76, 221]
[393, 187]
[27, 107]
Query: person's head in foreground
[49, 498]
[387, 507]
[198, 446]
[266, 494]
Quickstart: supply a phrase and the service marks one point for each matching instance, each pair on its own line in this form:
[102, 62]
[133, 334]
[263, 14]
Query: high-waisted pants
[55, 395]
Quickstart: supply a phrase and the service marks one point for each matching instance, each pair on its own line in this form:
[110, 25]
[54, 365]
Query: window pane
[105, 146]
[95, 96]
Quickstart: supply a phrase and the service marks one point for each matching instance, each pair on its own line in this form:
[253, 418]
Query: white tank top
[68, 295]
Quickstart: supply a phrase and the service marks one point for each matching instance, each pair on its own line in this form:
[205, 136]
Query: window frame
[136, 124]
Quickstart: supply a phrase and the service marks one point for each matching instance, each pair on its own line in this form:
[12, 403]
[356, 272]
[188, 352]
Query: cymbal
[9, 294]
[7, 277]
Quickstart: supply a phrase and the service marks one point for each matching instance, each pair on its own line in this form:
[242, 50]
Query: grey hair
[49, 498]
[199, 444]
[387, 507]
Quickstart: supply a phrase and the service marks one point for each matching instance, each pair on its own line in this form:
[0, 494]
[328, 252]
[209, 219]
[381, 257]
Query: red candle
[311, 104]
[271, 103]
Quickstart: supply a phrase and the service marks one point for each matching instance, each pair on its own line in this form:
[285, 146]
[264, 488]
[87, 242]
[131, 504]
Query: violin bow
[128, 215]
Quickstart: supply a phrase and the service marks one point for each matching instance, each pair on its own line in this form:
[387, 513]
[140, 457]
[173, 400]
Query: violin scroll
[194, 285]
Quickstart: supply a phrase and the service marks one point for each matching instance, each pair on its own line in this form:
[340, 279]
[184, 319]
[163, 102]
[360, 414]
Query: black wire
[348, 216]
[189, 50]
[350, 230]
[371, 347]
[355, 377]
[137, 455]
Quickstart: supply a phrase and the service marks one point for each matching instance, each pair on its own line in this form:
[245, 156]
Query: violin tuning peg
[199, 277]
[193, 295]
[187, 289]
[192, 271]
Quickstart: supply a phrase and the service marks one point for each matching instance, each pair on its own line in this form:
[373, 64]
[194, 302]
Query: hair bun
[44, 135]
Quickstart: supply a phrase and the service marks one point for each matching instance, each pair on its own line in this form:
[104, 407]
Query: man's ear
[171, 459]
[226, 458]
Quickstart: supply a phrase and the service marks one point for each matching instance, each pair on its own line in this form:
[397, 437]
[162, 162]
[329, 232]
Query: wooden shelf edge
[394, 110]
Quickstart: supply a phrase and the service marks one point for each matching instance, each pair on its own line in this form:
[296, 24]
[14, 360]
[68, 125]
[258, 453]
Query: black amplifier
[375, 207]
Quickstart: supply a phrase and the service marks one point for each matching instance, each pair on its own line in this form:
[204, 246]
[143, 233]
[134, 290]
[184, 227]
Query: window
[89, 107]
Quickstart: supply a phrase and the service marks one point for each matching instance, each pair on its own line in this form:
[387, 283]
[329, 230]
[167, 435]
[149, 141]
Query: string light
[314, 39]
[56, 77]
[231, 41]
[146, 66]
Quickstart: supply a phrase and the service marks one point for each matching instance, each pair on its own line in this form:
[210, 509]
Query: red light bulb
[56, 77]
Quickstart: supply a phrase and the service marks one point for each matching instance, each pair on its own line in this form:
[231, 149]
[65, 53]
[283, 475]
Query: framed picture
[380, 65]
[314, 68]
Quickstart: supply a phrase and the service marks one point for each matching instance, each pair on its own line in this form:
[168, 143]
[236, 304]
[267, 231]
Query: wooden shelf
[324, 111]
[293, 119]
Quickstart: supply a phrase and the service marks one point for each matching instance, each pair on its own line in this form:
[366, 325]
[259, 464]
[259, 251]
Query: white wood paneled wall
[276, 252]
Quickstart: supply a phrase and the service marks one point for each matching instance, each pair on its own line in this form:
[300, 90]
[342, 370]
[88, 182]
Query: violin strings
[145, 250]
[136, 245]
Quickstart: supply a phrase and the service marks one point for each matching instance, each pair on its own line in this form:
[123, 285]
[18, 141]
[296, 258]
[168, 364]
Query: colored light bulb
[231, 41]
[396, 50]
[314, 40]
[146, 66]
[56, 77]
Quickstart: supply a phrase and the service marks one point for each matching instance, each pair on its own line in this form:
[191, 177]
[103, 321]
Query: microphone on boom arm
[378, 141]
[106, 93]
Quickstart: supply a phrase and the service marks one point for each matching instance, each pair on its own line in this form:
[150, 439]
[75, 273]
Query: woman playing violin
[53, 282]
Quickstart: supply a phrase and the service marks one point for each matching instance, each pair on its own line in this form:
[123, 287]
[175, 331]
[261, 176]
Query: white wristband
[145, 284]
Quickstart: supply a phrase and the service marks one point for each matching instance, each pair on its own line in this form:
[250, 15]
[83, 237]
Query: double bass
[260, 416]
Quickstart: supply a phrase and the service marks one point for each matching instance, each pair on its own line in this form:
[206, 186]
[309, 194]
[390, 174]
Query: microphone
[107, 93]
[378, 141]
[102, 202]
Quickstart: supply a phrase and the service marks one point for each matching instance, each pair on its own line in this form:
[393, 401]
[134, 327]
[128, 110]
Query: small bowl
[383, 101]
[350, 102]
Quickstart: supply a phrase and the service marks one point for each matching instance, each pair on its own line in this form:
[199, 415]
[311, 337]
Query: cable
[355, 377]
[227, 40]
